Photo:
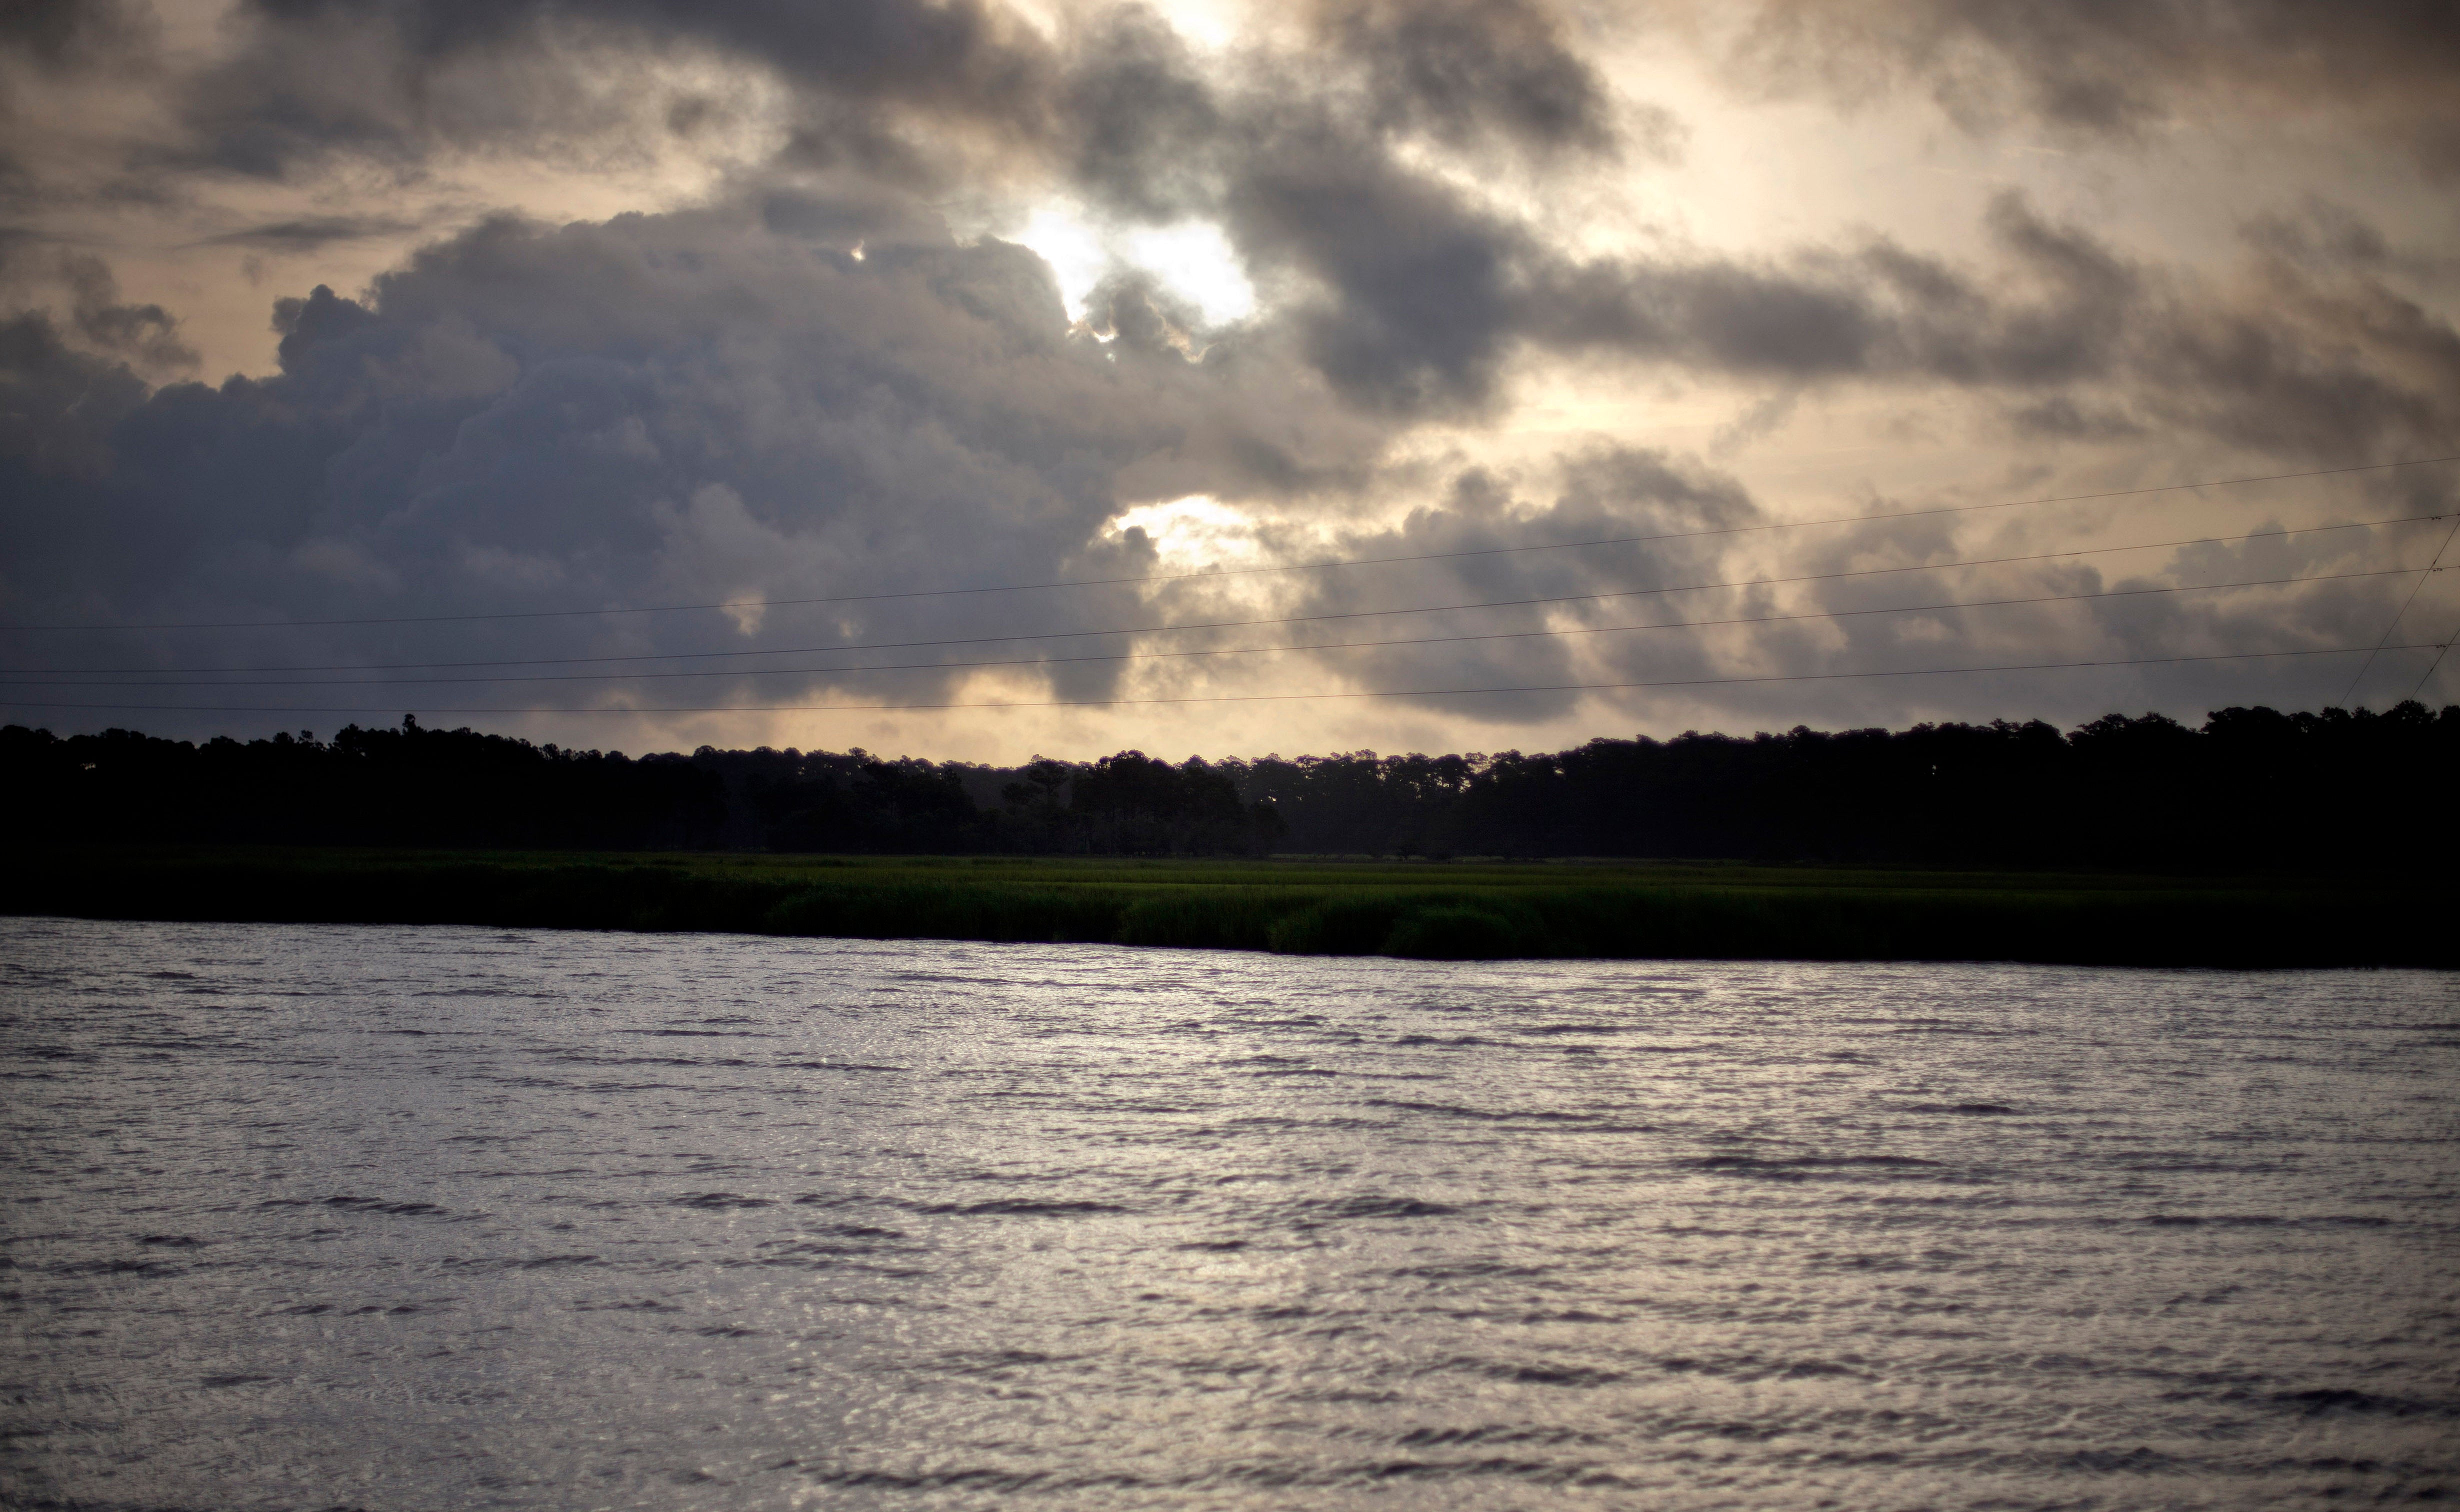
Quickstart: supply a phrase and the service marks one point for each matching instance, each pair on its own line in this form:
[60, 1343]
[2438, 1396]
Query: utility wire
[1307, 567]
[2431, 567]
[1240, 698]
[2439, 652]
[12, 673]
[1233, 650]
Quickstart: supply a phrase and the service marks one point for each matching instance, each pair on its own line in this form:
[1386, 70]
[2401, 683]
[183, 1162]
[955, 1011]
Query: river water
[430, 1218]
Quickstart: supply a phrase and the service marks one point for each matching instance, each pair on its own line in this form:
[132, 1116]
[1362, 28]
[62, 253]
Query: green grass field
[1431, 909]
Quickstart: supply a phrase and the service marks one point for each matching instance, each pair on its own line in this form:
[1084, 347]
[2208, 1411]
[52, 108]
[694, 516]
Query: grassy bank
[1441, 910]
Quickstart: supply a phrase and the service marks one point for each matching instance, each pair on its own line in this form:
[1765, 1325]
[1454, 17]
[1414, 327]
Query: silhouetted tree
[2250, 788]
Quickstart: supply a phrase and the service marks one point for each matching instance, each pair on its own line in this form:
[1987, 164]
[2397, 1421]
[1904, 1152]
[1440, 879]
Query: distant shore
[1426, 910]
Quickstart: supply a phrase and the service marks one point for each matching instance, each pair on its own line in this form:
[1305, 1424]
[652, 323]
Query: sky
[976, 380]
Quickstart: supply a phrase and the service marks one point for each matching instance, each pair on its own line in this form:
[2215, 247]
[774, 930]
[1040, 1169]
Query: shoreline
[1447, 911]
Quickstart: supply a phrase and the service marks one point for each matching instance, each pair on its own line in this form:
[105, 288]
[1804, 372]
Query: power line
[2439, 654]
[1310, 567]
[1292, 618]
[1240, 699]
[1235, 651]
[2432, 566]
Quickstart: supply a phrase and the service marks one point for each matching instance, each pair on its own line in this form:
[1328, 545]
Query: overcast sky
[322, 322]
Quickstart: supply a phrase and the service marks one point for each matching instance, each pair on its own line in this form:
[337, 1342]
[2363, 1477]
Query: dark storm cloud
[1591, 494]
[2121, 66]
[1149, 135]
[60, 35]
[1415, 301]
[731, 404]
[1299, 156]
[1120, 97]
[690, 407]
[310, 233]
[1464, 72]
[75, 295]
[393, 81]
[310, 87]
[1150, 129]
[1409, 297]
[1725, 622]
[704, 407]
[146, 335]
[2053, 311]
[2313, 359]
[57, 423]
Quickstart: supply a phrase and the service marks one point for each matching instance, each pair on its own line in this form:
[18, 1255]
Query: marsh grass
[1449, 910]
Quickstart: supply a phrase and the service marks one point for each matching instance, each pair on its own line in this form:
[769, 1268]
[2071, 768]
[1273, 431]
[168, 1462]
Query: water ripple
[303, 1217]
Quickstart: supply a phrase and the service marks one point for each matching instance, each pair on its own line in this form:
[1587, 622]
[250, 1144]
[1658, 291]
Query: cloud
[2317, 359]
[2122, 71]
[146, 335]
[918, 85]
[68, 35]
[1146, 133]
[700, 408]
[310, 233]
[57, 423]
[826, 373]
[310, 82]
[1412, 303]
[1304, 158]
[1467, 72]
[691, 408]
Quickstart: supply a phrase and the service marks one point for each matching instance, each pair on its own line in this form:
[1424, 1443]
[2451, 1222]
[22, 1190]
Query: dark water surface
[413, 1218]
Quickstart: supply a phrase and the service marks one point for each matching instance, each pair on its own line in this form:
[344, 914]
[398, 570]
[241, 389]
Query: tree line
[2250, 788]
